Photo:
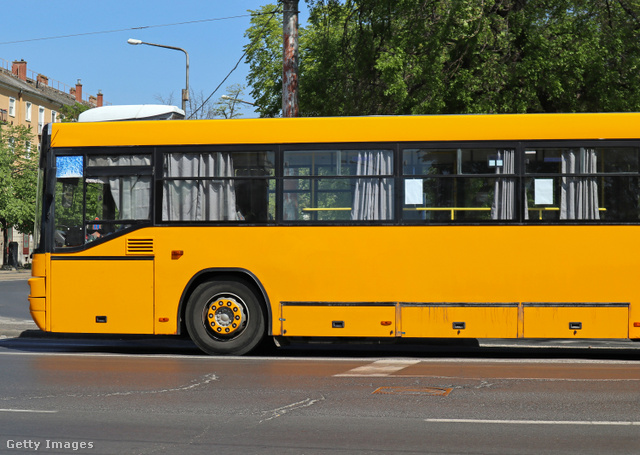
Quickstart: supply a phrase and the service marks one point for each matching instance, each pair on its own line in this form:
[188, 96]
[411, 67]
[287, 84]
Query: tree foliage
[364, 57]
[18, 179]
[229, 105]
[264, 56]
[201, 106]
[71, 112]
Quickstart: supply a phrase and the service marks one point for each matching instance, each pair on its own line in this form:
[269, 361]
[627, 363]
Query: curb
[14, 328]
[15, 275]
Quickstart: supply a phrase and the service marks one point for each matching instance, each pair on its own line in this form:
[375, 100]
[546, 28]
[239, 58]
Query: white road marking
[379, 368]
[28, 410]
[535, 422]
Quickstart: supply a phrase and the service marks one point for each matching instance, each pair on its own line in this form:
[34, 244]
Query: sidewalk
[13, 274]
[14, 328]
[10, 327]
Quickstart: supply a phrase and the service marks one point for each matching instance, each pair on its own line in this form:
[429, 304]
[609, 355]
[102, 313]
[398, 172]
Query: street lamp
[238, 100]
[185, 91]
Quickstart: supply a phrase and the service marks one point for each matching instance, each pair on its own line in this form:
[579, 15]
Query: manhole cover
[430, 391]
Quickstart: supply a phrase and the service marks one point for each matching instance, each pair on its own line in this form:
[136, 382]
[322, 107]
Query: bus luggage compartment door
[338, 319]
[576, 320]
[460, 320]
[102, 295]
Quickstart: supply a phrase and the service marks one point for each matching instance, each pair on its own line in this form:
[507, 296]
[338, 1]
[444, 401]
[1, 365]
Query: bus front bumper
[37, 291]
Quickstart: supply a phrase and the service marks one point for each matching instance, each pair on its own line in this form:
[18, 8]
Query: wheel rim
[225, 316]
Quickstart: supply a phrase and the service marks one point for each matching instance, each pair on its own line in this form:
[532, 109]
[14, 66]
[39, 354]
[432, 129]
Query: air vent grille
[140, 246]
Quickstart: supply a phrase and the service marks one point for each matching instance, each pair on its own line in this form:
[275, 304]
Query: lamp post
[185, 91]
[237, 100]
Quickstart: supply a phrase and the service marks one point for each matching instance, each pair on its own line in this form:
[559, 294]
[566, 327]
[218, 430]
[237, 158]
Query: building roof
[36, 89]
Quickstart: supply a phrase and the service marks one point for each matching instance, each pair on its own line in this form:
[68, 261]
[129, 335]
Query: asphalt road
[170, 403]
[13, 299]
[147, 395]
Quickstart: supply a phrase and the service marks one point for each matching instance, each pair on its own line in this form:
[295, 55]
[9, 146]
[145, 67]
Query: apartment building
[33, 100]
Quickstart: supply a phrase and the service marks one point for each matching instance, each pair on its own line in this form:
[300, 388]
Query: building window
[27, 114]
[40, 119]
[54, 116]
[12, 107]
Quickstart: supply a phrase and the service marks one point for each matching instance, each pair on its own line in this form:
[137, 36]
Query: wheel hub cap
[225, 316]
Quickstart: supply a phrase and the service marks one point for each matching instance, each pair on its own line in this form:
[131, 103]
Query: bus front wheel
[225, 318]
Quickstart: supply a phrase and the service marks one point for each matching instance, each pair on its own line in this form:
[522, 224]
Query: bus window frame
[159, 179]
[330, 146]
[576, 144]
[279, 149]
[100, 171]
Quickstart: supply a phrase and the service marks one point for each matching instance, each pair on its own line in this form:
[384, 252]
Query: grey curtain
[579, 195]
[132, 194]
[503, 207]
[197, 199]
[373, 197]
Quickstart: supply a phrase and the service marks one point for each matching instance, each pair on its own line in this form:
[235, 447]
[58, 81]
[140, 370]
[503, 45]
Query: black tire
[225, 317]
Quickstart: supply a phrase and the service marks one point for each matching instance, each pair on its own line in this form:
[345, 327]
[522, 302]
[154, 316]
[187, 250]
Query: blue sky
[124, 73]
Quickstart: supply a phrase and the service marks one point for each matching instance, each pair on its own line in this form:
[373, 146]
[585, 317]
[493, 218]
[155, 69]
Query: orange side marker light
[636, 324]
[176, 254]
[385, 323]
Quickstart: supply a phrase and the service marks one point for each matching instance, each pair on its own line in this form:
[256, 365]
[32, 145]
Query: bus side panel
[460, 321]
[338, 320]
[576, 322]
[101, 296]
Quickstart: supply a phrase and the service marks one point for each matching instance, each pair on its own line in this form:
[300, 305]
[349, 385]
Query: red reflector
[163, 319]
[636, 324]
[385, 322]
[176, 254]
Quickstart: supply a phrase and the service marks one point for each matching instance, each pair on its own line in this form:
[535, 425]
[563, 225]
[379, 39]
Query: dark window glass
[444, 185]
[338, 185]
[219, 186]
[579, 183]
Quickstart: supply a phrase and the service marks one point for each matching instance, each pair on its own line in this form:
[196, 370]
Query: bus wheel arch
[225, 313]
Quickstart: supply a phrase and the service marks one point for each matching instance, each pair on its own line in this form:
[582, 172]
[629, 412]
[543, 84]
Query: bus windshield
[37, 226]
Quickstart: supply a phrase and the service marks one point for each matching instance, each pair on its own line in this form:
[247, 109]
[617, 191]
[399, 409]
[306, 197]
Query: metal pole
[185, 91]
[290, 59]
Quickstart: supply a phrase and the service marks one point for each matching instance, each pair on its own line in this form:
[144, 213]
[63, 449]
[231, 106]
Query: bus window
[69, 203]
[116, 198]
[338, 185]
[219, 186]
[119, 160]
[582, 183]
[100, 198]
[458, 185]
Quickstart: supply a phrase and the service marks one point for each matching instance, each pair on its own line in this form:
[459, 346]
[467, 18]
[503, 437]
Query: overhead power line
[261, 32]
[143, 27]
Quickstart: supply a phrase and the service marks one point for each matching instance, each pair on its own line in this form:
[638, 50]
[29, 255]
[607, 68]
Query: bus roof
[131, 112]
[514, 127]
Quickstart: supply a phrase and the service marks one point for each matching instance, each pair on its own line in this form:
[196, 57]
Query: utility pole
[290, 61]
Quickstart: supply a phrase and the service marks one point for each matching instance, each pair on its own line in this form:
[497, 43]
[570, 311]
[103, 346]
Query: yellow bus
[234, 231]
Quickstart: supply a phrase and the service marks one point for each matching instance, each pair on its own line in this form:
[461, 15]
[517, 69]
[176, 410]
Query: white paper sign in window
[413, 191]
[543, 191]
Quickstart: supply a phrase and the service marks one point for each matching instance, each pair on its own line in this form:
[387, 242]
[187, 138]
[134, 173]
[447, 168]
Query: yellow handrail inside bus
[552, 209]
[312, 209]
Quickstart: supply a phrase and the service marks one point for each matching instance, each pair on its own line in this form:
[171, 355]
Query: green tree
[364, 57]
[71, 112]
[201, 106]
[264, 56]
[229, 105]
[18, 180]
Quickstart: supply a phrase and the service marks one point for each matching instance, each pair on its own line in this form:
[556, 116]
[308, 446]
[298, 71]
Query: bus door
[108, 294]
[102, 267]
